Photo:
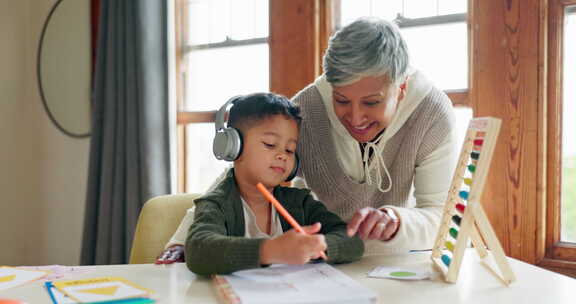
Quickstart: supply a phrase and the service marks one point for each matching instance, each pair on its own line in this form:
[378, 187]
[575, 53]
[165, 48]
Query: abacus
[464, 218]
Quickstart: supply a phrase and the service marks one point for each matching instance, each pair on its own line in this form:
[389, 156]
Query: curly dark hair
[248, 110]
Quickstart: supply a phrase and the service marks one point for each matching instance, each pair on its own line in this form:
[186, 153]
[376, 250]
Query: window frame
[560, 256]
[180, 32]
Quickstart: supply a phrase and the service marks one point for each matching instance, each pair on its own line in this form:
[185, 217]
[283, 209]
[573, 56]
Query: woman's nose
[356, 116]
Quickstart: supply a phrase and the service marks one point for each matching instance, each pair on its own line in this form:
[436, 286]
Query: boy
[235, 227]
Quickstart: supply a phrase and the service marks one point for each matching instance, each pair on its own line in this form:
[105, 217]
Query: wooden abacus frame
[464, 212]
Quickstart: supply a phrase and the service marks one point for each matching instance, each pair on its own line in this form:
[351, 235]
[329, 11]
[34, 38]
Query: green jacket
[216, 242]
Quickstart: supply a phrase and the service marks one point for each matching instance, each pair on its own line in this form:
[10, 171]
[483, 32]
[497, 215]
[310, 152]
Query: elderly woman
[376, 141]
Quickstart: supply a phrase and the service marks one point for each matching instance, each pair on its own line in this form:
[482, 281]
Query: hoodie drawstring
[375, 163]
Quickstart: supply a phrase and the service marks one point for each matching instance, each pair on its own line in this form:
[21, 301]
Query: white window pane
[352, 9]
[198, 19]
[447, 7]
[208, 21]
[249, 19]
[388, 10]
[212, 21]
[420, 8]
[445, 61]
[215, 75]
[212, 77]
[202, 167]
[568, 218]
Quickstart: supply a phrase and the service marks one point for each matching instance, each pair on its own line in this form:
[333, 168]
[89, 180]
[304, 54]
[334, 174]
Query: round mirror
[64, 66]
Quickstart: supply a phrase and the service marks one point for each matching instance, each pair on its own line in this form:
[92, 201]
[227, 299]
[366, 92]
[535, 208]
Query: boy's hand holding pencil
[298, 245]
[294, 247]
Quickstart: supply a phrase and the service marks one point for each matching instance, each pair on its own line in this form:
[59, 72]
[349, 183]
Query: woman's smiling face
[367, 106]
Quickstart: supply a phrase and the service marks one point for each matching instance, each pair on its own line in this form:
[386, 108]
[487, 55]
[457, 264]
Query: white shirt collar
[251, 227]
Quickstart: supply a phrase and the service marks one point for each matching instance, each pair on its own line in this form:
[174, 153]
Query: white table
[175, 284]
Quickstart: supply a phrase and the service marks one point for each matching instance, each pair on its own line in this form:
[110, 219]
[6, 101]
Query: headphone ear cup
[227, 144]
[294, 169]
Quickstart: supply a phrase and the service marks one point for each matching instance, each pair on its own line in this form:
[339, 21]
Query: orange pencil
[283, 212]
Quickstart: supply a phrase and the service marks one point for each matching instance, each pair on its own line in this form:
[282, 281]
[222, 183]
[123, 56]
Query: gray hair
[366, 47]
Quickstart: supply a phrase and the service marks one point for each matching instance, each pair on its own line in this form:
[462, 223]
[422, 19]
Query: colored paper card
[101, 289]
[12, 277]
[56, 295]
[399, 273]
[58, 272]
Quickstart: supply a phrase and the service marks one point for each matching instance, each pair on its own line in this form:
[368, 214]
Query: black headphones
[227, 143]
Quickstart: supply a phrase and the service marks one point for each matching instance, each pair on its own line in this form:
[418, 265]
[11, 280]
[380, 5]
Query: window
[224, 52]
[568, 190]
[435, 31]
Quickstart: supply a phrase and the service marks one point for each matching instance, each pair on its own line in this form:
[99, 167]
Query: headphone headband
[221, 114]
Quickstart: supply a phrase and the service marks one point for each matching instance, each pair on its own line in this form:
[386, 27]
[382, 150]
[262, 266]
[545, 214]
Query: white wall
[42, 172]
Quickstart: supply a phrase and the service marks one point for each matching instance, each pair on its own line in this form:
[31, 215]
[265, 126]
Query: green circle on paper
[402, 274]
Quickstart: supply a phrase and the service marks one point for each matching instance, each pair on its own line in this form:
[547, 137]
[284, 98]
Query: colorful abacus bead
[475, 155]
[456, 219]
[453, 232]
[446, 259]
[460, 208]
[449, 246]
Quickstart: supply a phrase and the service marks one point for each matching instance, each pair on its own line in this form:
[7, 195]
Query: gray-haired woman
[373, 129]
[376, 141]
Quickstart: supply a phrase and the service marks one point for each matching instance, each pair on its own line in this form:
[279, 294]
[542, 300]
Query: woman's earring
[402, 91]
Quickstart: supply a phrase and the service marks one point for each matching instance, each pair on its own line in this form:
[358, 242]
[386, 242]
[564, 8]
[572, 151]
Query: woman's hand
[374, 224]
[294, 247]
[172, 254]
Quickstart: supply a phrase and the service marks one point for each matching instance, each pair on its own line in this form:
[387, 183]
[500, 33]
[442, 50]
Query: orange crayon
[283, 212]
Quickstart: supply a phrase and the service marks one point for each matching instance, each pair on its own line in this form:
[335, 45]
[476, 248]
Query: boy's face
[268, 151]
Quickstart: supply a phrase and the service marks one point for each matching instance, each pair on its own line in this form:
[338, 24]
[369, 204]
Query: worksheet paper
[12, 277]
[310, 283]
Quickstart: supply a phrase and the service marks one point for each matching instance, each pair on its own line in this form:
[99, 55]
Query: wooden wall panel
[542, 131]
[486, 88]
[294, 45]
[508, 84]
